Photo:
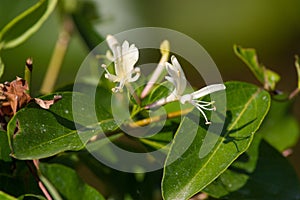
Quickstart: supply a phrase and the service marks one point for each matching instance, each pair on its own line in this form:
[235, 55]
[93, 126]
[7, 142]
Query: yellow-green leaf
[266, 76]
[26, 24]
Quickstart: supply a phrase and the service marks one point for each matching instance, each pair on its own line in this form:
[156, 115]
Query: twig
[36, 177]
[58, 56]
[147, 121]
[47, 186]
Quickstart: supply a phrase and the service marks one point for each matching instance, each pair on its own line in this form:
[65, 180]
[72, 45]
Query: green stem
[135, 110]
[50, 188]
[57, 56]
[45, 184]
[133, 93]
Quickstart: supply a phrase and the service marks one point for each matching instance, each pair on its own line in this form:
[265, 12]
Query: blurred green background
[271, 27]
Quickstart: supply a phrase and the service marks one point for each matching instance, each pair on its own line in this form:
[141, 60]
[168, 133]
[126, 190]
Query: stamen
[202, 112]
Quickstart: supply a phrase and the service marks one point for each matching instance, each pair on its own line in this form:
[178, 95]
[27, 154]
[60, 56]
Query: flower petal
[130, 56]
[176, 72]
[112, 43]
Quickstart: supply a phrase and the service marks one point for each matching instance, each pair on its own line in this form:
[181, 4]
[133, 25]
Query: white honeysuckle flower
[177, 78]
[124, 58]
[202, 105]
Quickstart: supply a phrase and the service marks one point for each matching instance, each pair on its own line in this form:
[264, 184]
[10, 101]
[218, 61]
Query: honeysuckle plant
[43, 146]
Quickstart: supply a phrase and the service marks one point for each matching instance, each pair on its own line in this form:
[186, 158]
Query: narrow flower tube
[164, 50]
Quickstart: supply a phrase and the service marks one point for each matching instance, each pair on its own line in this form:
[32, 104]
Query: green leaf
[5, 196]
[264, 75]
[237, 175]
[253, 176]
[273, 178]
[26, 24]
[31, 196]
[38, 133]
[190, 174]
[280, 115]
[4, 147]
[119, 184]
[68, 183]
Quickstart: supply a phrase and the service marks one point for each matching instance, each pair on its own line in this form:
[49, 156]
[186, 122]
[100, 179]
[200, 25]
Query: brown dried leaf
[13, 96]
[47, 103]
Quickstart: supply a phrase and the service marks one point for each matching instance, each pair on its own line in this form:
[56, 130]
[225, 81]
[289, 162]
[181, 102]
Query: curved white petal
[180, 75]
[125, 46]
[170, 79]
[177, 74]
[112, 43]
[130, 56]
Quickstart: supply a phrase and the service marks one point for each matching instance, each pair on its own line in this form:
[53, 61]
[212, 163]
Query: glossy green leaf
[253, 176]
[280, 115]
[68, 183]
[38, 133]
[273, 178]
[26, 24]
[4, 147]
[5, 196]
[120, 184]
[264, 75]
[247, 106]
[237, 175]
